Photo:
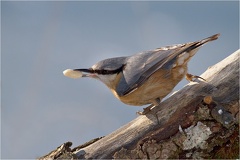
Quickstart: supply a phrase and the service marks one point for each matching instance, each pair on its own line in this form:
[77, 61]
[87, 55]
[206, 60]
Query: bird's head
[105, 71]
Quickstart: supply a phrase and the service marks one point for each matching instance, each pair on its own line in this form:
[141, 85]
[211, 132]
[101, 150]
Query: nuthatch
[146, 77]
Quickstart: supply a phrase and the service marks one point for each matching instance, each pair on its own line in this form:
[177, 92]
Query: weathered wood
[186, 125]
[63, 152]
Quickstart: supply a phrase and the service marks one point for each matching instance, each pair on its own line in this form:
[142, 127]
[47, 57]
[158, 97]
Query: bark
[199, 121]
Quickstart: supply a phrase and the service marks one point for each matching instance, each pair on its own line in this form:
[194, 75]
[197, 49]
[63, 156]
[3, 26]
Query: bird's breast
[158, 85]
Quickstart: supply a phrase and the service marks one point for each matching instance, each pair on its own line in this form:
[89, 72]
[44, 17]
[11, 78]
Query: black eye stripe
[103, 71]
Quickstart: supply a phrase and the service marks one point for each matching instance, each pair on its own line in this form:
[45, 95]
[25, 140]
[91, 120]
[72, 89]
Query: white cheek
[107, 79]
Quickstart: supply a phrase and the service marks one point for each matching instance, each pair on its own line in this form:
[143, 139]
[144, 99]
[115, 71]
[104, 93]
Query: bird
[146, 77]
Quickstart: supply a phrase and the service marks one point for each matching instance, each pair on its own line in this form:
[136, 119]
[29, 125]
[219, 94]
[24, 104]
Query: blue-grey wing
[141, 66]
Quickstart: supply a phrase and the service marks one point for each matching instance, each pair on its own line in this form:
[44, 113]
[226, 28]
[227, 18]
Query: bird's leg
[156, 102]
[190, 77]
[145, 110]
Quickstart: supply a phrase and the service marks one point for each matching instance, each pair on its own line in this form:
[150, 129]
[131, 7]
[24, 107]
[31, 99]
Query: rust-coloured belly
[159, 85]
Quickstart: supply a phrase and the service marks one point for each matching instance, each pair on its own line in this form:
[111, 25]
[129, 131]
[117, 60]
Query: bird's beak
[78, 73]
[88, 73]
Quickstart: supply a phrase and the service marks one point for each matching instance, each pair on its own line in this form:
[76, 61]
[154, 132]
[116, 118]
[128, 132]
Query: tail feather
[211, 38]
[200, 43]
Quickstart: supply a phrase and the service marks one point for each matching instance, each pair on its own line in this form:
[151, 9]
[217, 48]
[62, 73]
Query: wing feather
[141, 66]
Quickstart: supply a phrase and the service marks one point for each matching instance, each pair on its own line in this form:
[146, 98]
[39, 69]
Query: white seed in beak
[72, 74]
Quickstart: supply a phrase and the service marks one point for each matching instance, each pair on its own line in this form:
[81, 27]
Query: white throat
[107, 78]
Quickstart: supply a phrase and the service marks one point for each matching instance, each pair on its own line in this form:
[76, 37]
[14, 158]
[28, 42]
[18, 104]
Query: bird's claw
[190, 77]
[145, 110]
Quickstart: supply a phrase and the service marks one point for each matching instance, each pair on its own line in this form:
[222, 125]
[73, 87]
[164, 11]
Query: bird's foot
[155, 102]
[190, 77]
[145, 110]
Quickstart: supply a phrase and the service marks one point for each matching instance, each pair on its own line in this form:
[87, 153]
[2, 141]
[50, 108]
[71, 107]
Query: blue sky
[41, 109]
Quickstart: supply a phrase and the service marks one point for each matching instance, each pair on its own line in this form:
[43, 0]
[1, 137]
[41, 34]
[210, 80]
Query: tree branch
[199, 121]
